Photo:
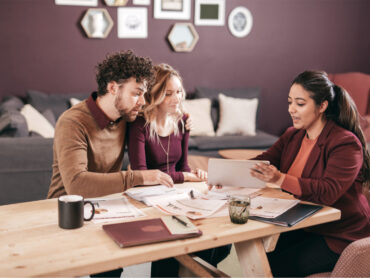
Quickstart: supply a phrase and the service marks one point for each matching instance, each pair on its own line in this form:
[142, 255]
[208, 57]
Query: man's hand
[152, 177]
[189, 122]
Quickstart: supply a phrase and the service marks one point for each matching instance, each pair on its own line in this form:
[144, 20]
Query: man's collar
[100, 117]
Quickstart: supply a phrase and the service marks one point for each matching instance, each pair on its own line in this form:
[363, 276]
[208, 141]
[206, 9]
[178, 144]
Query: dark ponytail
[341, 109]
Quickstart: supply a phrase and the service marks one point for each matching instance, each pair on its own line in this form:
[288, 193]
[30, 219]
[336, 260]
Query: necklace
[166, 152]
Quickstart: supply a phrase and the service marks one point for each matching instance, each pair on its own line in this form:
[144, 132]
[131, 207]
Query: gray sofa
[26, 159]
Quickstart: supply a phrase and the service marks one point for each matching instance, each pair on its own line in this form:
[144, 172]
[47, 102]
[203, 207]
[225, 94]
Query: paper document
[192, 208]
[113, 208]
[270, 207]
[146, 193]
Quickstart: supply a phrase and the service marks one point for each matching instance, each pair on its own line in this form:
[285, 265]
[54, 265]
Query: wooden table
[239, 153]
[32, 244]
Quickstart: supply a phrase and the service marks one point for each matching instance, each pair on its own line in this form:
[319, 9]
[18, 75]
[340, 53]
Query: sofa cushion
[200, 112]
[201, 92]
[237, 116]
[57, 103]
[36, 122]
[259, 141]
[25, 169]
[13, 124]
[11, 103]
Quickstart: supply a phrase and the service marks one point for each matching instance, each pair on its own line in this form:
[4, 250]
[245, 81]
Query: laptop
[231, 172]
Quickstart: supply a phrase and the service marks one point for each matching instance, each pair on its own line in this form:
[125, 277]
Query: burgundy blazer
[330, 177]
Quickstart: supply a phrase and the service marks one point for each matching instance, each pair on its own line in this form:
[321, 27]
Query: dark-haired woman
[321, 159]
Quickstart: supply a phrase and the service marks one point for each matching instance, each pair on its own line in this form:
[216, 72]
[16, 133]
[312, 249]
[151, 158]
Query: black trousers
[300, 253]
[170, 267]
[113, 273]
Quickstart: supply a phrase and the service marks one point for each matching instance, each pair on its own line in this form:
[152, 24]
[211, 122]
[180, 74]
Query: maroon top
[330, 177]
[145, 153]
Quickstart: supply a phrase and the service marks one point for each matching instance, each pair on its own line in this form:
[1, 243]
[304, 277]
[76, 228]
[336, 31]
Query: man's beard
[125, 113]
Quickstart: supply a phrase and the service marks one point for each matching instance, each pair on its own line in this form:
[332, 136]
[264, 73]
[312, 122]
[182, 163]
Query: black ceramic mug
[71, 211]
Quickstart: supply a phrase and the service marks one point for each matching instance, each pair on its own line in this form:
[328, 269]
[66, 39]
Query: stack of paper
[150, 194]
[113, 208]
[270, 207]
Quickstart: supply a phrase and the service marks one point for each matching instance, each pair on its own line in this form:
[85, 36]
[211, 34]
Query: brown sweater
[88, 155]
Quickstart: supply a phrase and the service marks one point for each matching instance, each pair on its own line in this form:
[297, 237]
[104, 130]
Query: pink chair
[358, 86]
[353, 262]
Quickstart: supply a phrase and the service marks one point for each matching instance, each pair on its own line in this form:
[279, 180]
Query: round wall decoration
[240, 22]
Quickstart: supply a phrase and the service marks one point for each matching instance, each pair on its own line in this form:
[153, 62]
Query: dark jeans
[300, 253]
[170, 267]
[112, 273]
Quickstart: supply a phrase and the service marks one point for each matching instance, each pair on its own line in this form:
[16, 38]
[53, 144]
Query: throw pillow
[49, 115]
[11, 103]
[200, 112]
[13, 124]
[237, 116]
[36, 122]
[212, 94]
[74, 101]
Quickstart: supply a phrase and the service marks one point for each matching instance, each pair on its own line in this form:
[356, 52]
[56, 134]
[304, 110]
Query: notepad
[143, 232]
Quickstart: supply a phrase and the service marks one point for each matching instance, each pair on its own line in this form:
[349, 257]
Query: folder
[292, 216]
[143, 232]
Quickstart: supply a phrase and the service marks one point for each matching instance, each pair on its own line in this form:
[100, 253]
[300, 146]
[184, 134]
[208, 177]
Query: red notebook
[143, 232]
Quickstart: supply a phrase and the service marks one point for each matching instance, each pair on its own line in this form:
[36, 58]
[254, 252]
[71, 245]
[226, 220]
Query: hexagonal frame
[178, 46]
[86, 23]
[116, 2]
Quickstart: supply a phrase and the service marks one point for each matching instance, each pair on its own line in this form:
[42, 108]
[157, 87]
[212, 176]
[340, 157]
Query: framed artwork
[183, 37]
[116, 2]
[132, 23]
[97, 23]
[209, 12]
[77, 2]
[141, 2]
[240, 22]
[172, 9]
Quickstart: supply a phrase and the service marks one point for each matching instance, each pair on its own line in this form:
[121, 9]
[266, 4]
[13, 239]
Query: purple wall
[43, 47]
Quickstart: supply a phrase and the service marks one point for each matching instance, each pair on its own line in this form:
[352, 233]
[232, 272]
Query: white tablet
[231, 172]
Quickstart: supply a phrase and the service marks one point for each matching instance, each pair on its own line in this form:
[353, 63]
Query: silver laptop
[230, 172]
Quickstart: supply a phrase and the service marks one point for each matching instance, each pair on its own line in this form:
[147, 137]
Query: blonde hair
[163, 73]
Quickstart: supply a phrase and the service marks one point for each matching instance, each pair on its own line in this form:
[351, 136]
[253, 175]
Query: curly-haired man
[89, 138]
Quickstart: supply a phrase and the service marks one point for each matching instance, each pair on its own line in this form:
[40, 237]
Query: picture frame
[209, 12]
[172, 9]
[97, 23]
[240, 22]
[132, 23]
[183, 37]
[92, 3]
[141, 2]
[116, 2]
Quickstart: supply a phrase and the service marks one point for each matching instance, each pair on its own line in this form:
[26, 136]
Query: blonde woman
[159, 140]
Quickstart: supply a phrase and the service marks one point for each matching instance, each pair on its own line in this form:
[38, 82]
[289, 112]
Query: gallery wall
[43, 47]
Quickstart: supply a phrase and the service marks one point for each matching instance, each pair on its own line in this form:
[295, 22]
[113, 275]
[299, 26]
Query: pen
[180, 221]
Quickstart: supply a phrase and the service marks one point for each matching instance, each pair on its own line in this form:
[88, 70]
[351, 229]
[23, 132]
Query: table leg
[252, 258]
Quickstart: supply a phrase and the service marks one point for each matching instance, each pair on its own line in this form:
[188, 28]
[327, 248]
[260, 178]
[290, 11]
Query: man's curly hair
[120, 67]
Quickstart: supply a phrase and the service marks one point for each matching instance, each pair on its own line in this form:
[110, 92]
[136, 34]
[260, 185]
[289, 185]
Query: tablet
[231, 172]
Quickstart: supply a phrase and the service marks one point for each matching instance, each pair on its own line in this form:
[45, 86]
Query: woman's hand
[189, 123]
[265, 172]
[197, 175]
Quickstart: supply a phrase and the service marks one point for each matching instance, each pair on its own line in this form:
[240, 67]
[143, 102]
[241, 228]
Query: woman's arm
[136, 145]
[343, 165]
